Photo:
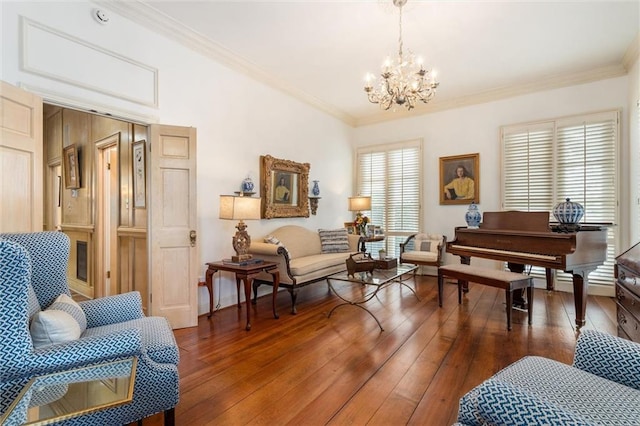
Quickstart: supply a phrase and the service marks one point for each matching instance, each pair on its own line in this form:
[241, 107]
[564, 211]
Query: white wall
[477, 129]
[237, 119]
[633, 154]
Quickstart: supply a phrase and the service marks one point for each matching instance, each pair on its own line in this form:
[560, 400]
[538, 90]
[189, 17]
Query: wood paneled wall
[64, 127]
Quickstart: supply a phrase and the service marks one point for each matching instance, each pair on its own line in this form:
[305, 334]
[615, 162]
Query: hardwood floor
[307, 369]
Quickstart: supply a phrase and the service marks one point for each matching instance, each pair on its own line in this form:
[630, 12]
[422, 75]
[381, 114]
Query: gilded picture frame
[139, 170]
[71, 167]
[460, 179]
[284, 188]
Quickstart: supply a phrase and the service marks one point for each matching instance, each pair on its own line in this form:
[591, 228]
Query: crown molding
[499, 93]
[633, 52]
[158, 22]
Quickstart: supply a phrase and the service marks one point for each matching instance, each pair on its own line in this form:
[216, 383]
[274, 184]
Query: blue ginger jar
[247, 185]
[316, 189]
[568, 214]
[473, 216]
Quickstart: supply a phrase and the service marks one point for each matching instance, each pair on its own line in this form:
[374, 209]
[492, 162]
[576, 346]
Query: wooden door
[174, 261]
[21, 170]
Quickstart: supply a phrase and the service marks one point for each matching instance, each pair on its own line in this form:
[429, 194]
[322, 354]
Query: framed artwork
[351, 229]
[139, 174]
[460, 179]
[71, 167]
[285, 188]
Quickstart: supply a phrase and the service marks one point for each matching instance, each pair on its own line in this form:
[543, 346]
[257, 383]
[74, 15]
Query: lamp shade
[359, 203]
[239, 208]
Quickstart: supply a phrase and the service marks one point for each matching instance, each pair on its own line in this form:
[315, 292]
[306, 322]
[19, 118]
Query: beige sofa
[300, 258]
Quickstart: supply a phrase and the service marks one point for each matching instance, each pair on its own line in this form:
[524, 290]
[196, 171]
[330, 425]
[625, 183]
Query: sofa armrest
[609, 357]
[263, 249]
[112, 309]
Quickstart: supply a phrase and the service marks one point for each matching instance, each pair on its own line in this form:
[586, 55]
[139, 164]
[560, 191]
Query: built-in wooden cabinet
[627, 272]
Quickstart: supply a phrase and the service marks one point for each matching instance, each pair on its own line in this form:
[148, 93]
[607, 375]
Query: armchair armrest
[84, 351]
[609, 357]
[112, 309]
[403, 246]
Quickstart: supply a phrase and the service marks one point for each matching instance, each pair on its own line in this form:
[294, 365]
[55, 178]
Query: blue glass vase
[473, 216]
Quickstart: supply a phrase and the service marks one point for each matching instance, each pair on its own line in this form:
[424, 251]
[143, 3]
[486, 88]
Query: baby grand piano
[527, 238]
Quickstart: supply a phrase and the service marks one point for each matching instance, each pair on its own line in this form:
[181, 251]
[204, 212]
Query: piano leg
[466, 260]
[518, 295]
[580, 284]
[549, 275]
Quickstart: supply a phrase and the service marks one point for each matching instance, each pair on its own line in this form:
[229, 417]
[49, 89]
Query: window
[391, 175]
[576, 157]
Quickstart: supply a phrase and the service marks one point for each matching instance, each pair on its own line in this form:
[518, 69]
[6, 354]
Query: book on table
[246, 262]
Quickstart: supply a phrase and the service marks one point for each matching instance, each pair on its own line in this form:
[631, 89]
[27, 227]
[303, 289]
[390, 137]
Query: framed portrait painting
[71, 167]
[460, 179]
[285, 188]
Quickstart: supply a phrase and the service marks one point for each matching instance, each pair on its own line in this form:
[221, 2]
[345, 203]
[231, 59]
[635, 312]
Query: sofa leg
[294, 296]
[170, 417]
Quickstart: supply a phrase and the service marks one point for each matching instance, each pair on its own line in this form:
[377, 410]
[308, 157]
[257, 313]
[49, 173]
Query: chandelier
[404, 82]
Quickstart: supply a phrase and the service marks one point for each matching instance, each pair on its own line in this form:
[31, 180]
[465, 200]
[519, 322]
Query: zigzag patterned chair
[32, 275]
[602, 387]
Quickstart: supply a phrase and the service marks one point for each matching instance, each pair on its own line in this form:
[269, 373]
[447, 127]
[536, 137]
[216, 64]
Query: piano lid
[517, 221]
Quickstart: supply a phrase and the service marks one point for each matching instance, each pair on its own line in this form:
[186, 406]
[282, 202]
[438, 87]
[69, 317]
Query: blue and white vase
[247, 185]
[316, 189]
[473, 216]
[568, 214]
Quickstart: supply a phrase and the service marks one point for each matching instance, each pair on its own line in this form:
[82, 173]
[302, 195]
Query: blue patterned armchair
[32, 275]
[602, 387]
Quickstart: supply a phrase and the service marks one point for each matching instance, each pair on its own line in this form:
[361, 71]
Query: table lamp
[359, 203]
[240, 208]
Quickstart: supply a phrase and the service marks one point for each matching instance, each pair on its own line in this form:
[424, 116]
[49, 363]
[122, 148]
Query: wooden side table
[246, 274]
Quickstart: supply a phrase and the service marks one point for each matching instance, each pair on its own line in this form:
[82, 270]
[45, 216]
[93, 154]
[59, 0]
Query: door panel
[21, 169]
[174, 261]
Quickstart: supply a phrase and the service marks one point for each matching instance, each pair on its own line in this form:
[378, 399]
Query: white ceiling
[481, 50]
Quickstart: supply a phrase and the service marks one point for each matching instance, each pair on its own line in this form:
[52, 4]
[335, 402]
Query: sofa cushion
[309, 264]
[61, 322]
[334, 240]
[157, 338]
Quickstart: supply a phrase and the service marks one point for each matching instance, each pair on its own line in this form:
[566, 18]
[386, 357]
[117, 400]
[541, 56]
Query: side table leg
[247, 298]
[209, 284]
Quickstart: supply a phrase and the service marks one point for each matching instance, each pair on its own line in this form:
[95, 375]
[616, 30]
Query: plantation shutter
[391, 175]
[576, 158]
[528, 168]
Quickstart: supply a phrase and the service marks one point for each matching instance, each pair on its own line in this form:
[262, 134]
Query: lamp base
[241, 257]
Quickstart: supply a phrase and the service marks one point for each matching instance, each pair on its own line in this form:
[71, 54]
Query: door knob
[192, 238]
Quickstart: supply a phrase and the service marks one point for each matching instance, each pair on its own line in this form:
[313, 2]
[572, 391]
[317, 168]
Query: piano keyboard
[504, 252]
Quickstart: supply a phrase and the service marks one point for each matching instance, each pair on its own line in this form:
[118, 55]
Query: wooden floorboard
[309, 369]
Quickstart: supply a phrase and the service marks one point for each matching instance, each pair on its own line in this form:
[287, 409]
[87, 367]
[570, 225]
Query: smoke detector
[101, 16]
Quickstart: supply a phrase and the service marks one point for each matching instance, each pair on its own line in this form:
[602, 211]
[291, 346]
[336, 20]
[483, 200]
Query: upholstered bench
[508, 281]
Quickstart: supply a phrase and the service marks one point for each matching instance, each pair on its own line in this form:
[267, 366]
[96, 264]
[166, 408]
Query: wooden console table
[246, 274]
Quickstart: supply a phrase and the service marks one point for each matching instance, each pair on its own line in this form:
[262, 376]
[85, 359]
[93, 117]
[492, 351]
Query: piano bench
[508, 281]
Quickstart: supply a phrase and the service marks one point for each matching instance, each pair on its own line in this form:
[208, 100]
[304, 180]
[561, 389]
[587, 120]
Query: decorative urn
[473, 216]
[247, 185]
[568, 213]
[316, 189]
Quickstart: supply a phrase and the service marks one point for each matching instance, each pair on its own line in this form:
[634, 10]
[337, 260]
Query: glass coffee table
[376, 280]
[64, 395]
